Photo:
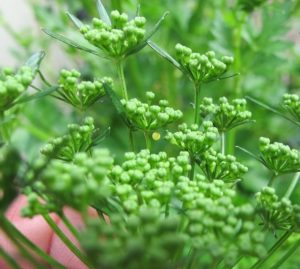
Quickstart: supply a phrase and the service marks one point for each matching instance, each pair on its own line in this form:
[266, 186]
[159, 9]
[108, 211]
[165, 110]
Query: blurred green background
[265, 42]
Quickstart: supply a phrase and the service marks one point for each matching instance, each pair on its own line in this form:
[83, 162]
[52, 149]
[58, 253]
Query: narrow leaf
[78, 23]
[165, 55]
[35, 60]
[249, 153]
[103, 13]
[72, 43]
[150, 34]
[38, 95]
[117, 104]
[272, 109]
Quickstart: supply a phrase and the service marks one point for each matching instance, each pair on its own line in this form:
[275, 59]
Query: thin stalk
[69, 225]
[23, 251]
[287, 255]
[196, 102]
[222, 143]
[272, 179]
[66, 240]
[131, 140]
[192, 171]
[276, 246]
[292, 185]
[20, 237]
[147, 140]
[120, 69]
[9, 260]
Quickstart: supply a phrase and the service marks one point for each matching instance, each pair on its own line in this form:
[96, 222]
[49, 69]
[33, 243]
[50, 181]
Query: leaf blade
[103, 13]
[78, 23]
[35, 60]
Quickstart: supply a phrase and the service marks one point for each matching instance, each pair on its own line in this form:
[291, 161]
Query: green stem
[196, 102]
[9, 260]
[23, 251]
[69, 225]
[120, 69]
[292, 185]
[276, 246]
[272, 179]
[287, 255]
[147, 140]
[20, 237]
[66, 240]
[131, 140]
[223, 143]
[192, 171]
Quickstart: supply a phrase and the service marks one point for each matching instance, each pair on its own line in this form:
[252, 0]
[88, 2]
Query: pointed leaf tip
[103, 13]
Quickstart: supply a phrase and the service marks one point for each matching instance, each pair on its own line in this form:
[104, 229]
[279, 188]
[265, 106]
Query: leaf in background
[38, 95]
[35, 60]
[103, 13]
[165, 55]
[150, 34]
[117, 104]
[272, 109]
[138, 9]
[72, 43]
[78, 23]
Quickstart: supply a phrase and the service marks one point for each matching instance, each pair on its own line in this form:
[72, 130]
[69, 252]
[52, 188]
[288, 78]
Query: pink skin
[38, 231]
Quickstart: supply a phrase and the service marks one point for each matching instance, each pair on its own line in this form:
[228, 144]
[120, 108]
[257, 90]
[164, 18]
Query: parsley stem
[272, 179]
[66, 240]
[9, 260]
[276, 246]
[17, 234]
[196, 102]
[287, 255]
[292, 185]
[222, 143]
[69, 225]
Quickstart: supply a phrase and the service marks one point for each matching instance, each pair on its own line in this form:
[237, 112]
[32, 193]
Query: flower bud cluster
[79, 184]
[149, 117]
[219, 166]
[202, 67]
[291, 103]
[146, 178]
[194, 140]
[225, 115]
[119, 37]
[12, 85]
[83, 94]
[78, 139]
[275, 213]
[215, 223]
[278, 157]
[144, 240]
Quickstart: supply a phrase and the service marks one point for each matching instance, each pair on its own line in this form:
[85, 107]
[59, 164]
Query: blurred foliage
[264, 41]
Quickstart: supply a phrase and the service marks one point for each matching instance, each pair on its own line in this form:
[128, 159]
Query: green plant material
[10, 162]
[83, 94]
[144, 240]
[249, 5]
[276, 214]
[219, 166]
[193, 139]
[80, 138]
[279, 158]
[148, 179]
[202, 68]
[224, 115]
[148, 116]
[13, 85]
[291, 103]
[77, 184]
